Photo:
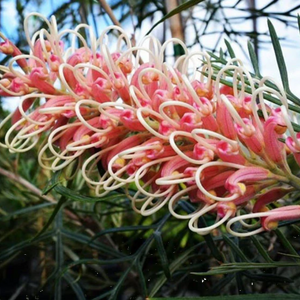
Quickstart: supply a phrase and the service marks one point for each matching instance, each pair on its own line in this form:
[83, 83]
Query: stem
[26, 184]
[18, 179]
[109, 11]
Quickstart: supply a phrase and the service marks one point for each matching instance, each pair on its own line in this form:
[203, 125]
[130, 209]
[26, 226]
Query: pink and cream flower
[160, 131]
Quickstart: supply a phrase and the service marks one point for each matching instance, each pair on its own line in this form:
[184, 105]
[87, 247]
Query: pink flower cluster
[161, 131]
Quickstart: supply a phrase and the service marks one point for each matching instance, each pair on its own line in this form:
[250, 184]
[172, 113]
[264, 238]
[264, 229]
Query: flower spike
[161, 132]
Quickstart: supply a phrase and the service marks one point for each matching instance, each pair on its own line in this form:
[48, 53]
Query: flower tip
[238, 188]
[280, 129]
[118, 164]
[226, 207]
[242, 188]
[208, 199]
[268, 226]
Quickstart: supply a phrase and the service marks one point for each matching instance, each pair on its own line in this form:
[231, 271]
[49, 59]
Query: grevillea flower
[160, 132]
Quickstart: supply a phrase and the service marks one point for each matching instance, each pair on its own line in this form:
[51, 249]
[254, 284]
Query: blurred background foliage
[66, 244]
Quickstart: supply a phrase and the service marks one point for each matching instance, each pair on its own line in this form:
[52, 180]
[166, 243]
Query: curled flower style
[162, 132]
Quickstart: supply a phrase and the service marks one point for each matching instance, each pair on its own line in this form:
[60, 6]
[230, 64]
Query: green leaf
[236, 267]
[296, 228]
[75, 196]
[96, 245]
[59, 255]
[268, 277]
[230, 50]
[75, 286]
[141, 278]
[219, 59]
[279, 56]
[213, 248]
[26, 211]
[221, 53]
[57, 208]
[49, 187]
[162, 253]
[239, 283]
[118, 286]
[280, 62]
[296, 126]
[184, 6]
[174, 265]
[103, 296]
[115, 290]
[122, 229]
[90, 261]
[68, 193]
[221, 283]
[254, 60]
[17, 247]
[8, 260]
[261, 249]
[53, 182]
[286, 243]
[235, 248]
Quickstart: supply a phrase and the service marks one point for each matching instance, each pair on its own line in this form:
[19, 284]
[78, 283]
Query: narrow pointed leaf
[216, 289]
[286, 243]
[253, 59]
[239, 283]
[26, 211]
[50, 187]
[17, 247]
[103, 296]
[184, 6]
[279, 56]
[75, 286]
[57, 208]
[118, 286]
[59, 255]
[174, 265]
[230, 49]
[75, 196]
[261, 249]
[236, 267]
[141, 278]
[268, 277]
[162, 253]
[122, 229]
[281, 62]
[101, 262]
[213, 248]
[235, 248]
[96, 245]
